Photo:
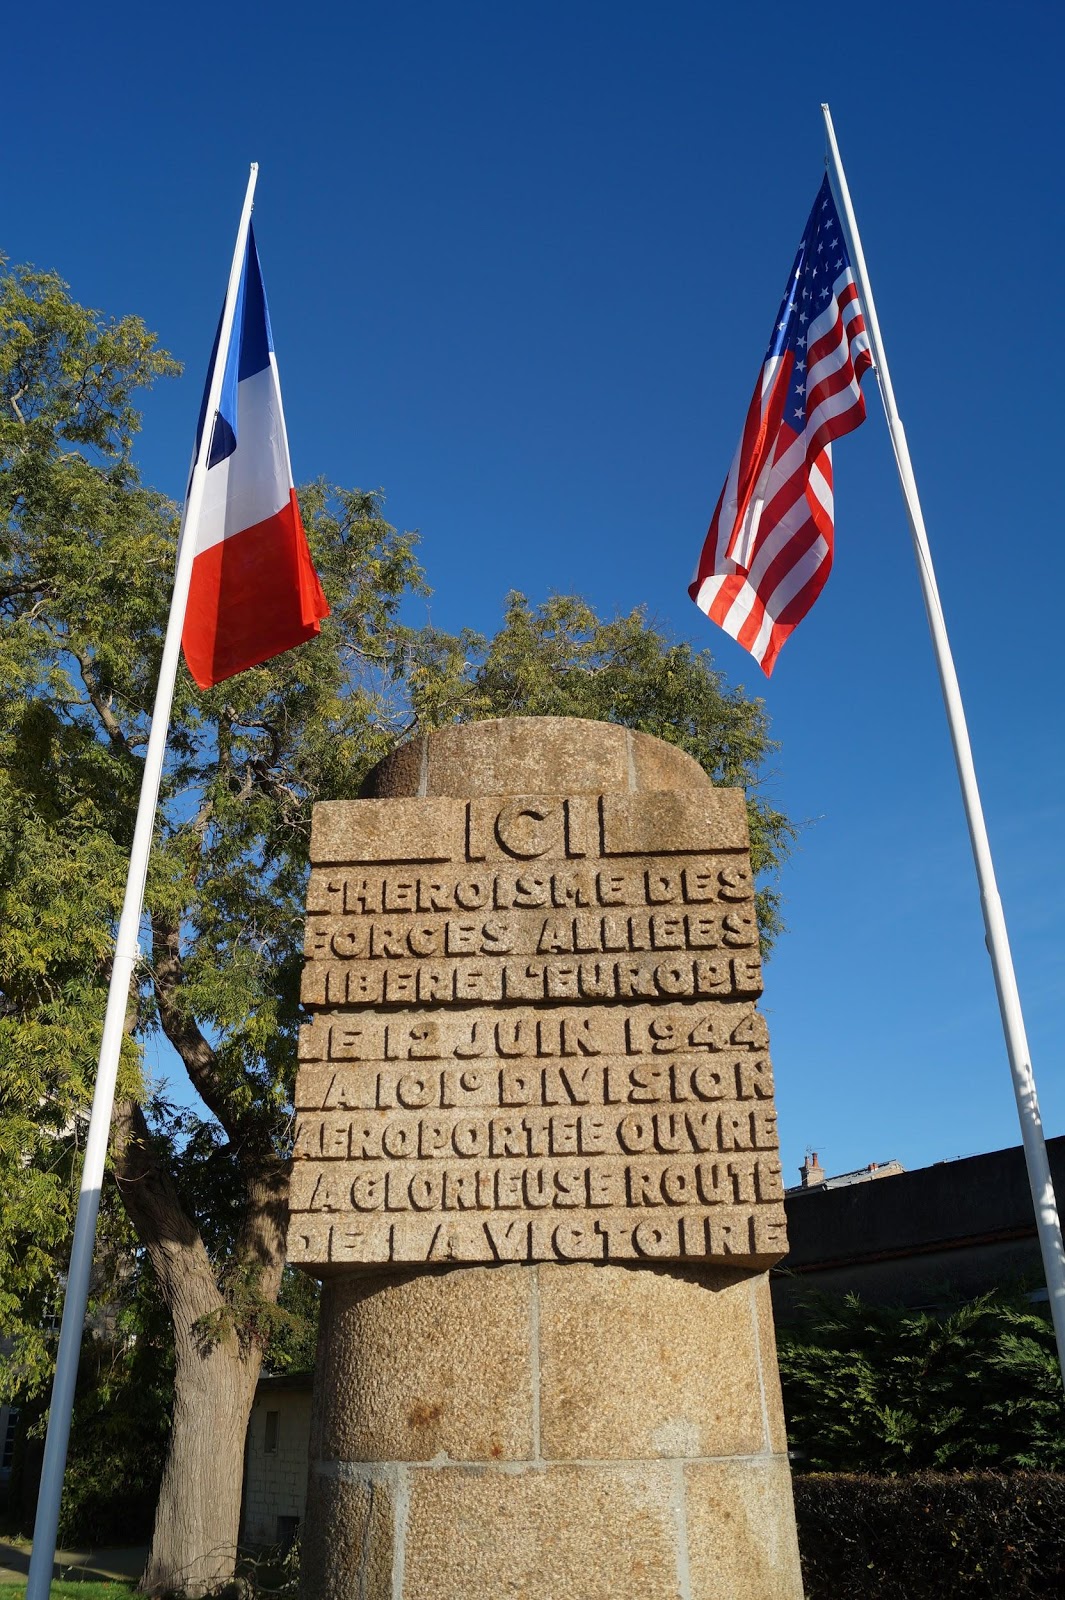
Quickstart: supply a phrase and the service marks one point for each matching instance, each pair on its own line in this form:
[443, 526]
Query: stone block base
[549, 1433]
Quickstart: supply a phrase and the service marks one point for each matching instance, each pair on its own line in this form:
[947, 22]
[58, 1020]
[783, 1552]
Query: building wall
[275, 1479]
[918, 1238]
[932, 1279]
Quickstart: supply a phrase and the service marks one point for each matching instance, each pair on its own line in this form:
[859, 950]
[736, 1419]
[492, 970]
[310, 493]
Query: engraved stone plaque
[534, 1035]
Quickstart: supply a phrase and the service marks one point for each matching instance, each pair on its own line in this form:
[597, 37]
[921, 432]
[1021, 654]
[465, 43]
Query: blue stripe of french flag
[254, 591]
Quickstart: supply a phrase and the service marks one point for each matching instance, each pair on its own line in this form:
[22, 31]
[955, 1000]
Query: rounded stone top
[532, 755]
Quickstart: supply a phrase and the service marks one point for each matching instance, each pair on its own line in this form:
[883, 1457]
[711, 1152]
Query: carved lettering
[533, 1035]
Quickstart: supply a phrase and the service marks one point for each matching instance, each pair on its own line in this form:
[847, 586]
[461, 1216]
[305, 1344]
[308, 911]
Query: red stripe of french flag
[254, 592]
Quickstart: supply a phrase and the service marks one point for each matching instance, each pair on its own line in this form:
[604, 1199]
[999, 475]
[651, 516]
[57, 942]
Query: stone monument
[536, 1169]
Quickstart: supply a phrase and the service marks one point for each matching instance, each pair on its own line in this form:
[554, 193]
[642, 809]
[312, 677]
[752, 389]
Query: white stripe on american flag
[793, 583]
[786, 531]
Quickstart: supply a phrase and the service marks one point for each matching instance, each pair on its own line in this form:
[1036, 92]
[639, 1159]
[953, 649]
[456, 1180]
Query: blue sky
[522, 262]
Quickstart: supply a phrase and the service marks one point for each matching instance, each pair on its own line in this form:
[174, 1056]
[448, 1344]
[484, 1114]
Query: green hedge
[973, 1387]
[932, 1536]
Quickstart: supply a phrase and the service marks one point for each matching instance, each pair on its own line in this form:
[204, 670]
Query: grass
[72, 1589]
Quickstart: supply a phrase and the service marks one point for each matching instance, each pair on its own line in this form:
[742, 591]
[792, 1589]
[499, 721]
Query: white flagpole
[1035, 1151]
[127, 953]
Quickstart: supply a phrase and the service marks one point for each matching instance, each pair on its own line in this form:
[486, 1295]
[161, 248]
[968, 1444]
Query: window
[273, 1427]
[287, 1532]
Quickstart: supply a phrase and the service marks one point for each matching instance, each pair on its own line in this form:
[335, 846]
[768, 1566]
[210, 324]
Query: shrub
[932, 1536]
[886, 1389]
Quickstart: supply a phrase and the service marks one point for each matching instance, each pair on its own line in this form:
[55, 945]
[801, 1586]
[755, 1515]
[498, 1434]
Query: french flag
[254, 591]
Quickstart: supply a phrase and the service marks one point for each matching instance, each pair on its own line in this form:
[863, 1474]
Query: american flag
[768, 552]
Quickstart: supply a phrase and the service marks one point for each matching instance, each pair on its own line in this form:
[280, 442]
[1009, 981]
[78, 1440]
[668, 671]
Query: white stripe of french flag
[254, 591]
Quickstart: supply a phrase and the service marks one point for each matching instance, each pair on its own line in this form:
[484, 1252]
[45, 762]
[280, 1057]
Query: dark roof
[867, 1174]
[974, 1200]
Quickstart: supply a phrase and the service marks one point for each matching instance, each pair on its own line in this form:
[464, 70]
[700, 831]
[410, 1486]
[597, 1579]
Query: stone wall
[606, 1433]
[275, 1479]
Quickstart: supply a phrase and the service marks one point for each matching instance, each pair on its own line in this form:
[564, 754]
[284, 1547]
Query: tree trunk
[194, 1542]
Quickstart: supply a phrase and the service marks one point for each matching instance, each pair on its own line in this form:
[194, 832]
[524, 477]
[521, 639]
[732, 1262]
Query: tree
[84, 586]
[85, 565]
[66, 424]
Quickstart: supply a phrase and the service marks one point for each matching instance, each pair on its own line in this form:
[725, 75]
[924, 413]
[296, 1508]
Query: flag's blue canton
[821, 257]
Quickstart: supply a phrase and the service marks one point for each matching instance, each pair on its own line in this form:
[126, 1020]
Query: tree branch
[199, 1058]
[16, 591]
[171, 1238]
[249, 1131]
[197, 826]
[102, 707]
[263, 727]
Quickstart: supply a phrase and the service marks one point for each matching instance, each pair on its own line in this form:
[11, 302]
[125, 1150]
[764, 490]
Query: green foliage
[122, 1405]
[891, 1390]
[286, 1330]
[937, 1536]
[293, 1338]
[121, 1422]
[78, 539]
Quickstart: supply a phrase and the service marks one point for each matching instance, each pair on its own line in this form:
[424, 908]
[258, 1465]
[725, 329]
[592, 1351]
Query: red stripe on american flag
[762, 444]
[785, 561]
